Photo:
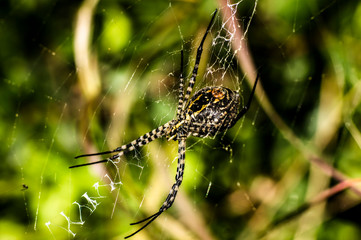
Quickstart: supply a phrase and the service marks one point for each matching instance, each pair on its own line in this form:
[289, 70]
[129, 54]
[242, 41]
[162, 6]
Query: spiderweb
[110, 75]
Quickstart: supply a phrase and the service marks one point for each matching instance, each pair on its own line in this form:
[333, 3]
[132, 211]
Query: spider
[209, 111]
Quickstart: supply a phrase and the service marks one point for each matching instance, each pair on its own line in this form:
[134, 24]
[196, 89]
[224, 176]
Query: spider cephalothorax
[209, 111]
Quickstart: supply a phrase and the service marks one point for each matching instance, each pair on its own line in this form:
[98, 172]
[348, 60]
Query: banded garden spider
[209, 111]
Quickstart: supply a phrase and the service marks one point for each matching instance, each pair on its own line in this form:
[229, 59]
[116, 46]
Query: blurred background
[88, 76]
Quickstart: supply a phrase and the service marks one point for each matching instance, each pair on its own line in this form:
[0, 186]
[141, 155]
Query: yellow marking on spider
[190, 104]
[176, 127]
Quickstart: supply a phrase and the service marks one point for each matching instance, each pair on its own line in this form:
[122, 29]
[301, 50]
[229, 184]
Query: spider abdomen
[210, 110]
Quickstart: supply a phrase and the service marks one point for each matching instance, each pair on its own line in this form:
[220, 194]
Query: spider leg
[198, 59]
[151, 219]
[247, 106]
[174, 190]
[100, 161]
[141, 141]
[181, 90]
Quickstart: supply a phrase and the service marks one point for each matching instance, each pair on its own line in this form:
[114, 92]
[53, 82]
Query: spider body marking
[209, 111]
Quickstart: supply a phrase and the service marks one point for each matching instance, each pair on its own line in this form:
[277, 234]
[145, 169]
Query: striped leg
[192, 80]
[181, 89]
[141, 141]
[174, 190]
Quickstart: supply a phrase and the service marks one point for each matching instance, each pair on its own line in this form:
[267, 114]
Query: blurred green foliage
[236, 184]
